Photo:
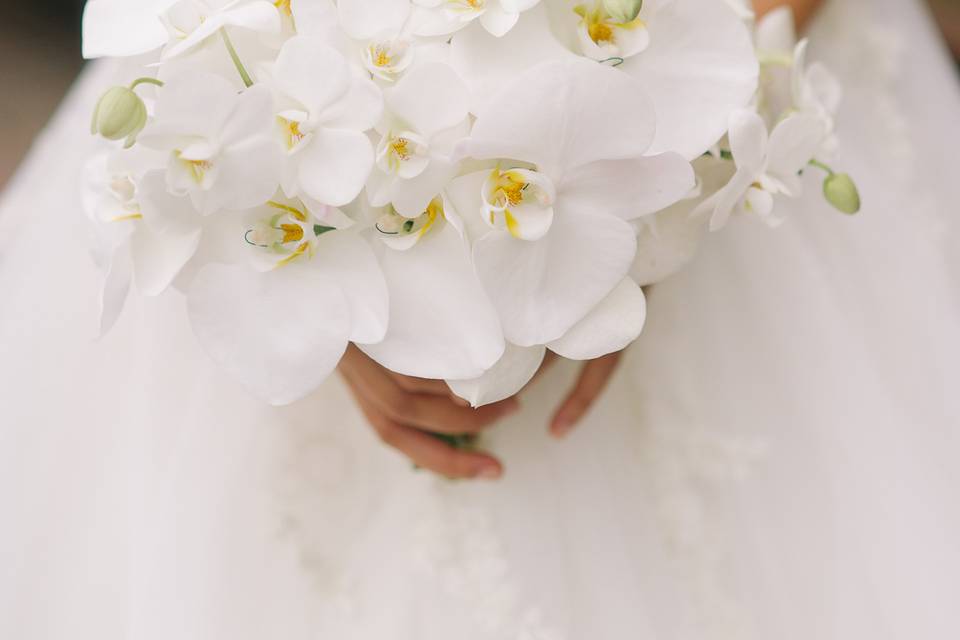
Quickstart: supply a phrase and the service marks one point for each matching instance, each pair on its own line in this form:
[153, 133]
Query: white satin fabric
[778, 457]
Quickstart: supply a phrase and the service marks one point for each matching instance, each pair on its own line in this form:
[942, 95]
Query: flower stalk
[228, 43]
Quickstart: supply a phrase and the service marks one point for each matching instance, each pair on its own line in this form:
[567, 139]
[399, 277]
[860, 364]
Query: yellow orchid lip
[291, 131]
[388, 58]
[198, 169]
[289, 226]
[402, 233]
[520, 201]
[616, 36]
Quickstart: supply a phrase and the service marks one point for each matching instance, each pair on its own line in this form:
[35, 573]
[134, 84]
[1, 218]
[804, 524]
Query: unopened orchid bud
[840, 191]
[119, 114]
[623, 11]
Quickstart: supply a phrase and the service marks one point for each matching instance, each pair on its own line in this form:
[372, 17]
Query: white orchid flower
[426, 114]
[324, 108]
[144, 235]
[383, 31]
[767, 166]
[190, 22]
[133, 27]
[570, 137]
[442, 323]
[669, 239]
[789, 84]
[698, 66]
[280, 320]
[443, 17]
[221, 153]
[606, 37]
[123, 27]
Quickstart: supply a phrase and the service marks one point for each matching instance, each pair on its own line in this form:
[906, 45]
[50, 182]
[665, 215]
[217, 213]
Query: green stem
[236, 59]
[139, 81]
[819, 165]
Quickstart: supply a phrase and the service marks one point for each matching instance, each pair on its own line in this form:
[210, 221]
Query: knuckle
[408, 385]
[388, 435]
[399, 404]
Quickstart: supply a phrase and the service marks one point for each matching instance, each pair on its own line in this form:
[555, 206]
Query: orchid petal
[335, 166]
[748, 140]
[431, 97]
[442, 324]
[628, 188]
[263, 328]
[541, 289]
[364, 19]
[360, 108]
[611, 326]
[159, 257]
[505, 379]
[115, 288]
[347, 258]
[411, 197]
[162, 211]
[793, 144]
[530, 119]
[123, 28]
[497, 20]
[700, 65]
[485, 61]
[302, 61]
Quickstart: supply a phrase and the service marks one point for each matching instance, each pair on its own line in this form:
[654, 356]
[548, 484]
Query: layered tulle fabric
[776, 459]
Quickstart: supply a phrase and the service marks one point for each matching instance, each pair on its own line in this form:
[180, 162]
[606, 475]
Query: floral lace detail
[458, 546]
[689, 467]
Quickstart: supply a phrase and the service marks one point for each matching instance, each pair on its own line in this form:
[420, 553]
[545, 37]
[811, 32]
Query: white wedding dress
[778, 459]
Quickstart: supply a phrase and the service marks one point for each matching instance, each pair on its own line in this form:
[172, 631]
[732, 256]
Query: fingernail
[561, 427]
[488, 473]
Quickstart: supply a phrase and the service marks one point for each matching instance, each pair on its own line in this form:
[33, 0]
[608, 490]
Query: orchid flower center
[199, 170]
[289, 232]
[401, 233]
[388, 57]
[292, 132]
[603, 37]
[123, 191]
[465, 10]
[404, 154]
[519, 201]
[283, 6]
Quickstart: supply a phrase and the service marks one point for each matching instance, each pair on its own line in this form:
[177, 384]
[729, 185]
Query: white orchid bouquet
[455, 186]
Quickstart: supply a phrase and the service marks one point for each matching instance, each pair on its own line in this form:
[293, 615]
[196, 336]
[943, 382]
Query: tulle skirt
[777, 457]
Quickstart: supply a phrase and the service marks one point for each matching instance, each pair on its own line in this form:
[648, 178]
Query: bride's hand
[593, 379]
[404, 411]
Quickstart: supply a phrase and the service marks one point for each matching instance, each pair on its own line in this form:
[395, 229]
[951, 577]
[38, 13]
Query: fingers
[435, 413]
[424, 385]
[593, 379]
[428, 452]
[420, 385]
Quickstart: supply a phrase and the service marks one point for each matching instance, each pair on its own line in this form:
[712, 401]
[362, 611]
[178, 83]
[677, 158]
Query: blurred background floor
[40, 57]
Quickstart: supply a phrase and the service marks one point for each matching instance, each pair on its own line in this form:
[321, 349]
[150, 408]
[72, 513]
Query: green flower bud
[623, 11]
[119, 114]
[841, 192]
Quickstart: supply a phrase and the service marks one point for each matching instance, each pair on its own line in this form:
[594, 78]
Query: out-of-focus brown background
[40, 57]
